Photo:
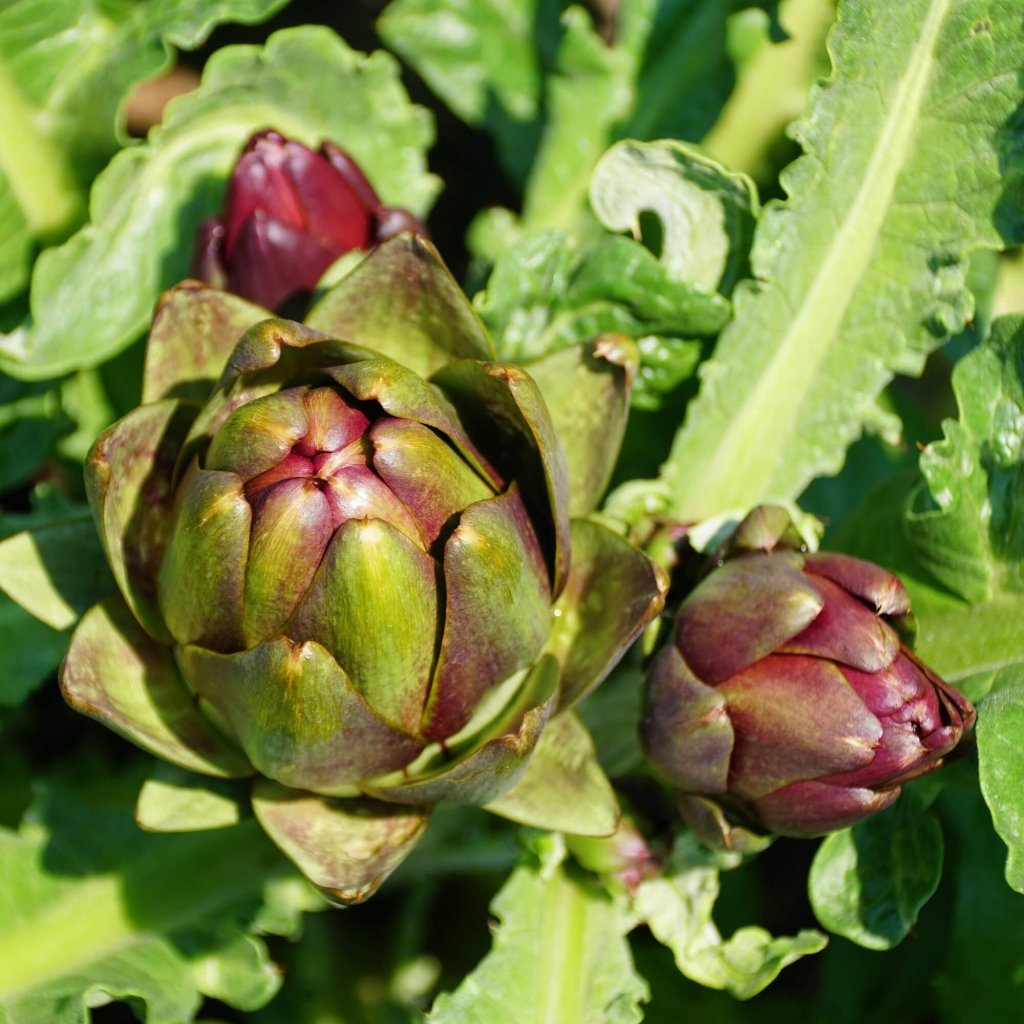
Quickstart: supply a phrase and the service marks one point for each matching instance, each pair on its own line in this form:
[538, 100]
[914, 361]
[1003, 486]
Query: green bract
[349, 569]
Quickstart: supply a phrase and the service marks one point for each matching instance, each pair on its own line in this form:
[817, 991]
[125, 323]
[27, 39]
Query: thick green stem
[772, 89]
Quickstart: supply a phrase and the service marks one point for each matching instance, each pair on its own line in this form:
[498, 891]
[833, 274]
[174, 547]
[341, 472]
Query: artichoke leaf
[195, 328]
[128, 478]
[485, 759]
[586, 388]
[501, 402]
[403, 394]
[373, 605]
[200, 584]
[612, 593]
[494, 572]
[114, 672]
[298, 715]
[402, 301]
[346, 848]
[563, 788]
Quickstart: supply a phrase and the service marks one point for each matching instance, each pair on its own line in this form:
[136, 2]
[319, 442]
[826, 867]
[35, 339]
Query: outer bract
[353, 581]
[786, 697]
[290, 213]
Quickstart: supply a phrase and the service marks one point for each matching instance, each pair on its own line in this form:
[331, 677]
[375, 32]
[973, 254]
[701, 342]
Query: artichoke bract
[290, 212]
[354, 563]
[786, 697]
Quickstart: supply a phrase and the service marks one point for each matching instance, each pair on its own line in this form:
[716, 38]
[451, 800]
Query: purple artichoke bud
[787, 695]
[350, 576]
[290, 213]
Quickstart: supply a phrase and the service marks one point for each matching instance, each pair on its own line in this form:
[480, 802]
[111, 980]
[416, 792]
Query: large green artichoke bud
[349, 568]
[787, 698]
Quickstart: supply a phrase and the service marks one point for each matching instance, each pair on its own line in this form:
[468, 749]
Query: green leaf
[685, 51]
[772, 78]
[30, 651]
[65, 70]
[547, 292]
[860, 273]
[588, 93]
[1001, 767]
[15, 244]
[563, 788]
[56, 572]
[868, 883]
[962, 525]
[981, 972]
[560, 954]
[175, 800]
[677, 908]
[30, 423]
[96, 908]
[707, 213]
[93, 296]
[483, 59]
[74, 60]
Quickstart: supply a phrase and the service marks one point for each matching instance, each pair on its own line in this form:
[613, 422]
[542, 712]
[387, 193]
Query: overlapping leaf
[65, 70]
[910, 164]
[94, 295]
[95, 910]
[560, 954]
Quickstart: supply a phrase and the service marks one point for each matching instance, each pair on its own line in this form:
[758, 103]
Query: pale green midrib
[93, 923]
[560, 982]
[736, 473]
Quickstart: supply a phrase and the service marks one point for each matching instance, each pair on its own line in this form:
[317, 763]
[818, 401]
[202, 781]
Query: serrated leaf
[65, 70]
[678, 909]
[1001, 767]
[860, 273]
[539, 78]
[94, 908]
[707, 213]
[547, 292]
[74, 60]
[962, 524]
[560, 954]
[868, 883]
[94, 295]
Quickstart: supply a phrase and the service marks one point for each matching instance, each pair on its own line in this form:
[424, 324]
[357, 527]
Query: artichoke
[787, 698]
[290, 213]
[358, 568]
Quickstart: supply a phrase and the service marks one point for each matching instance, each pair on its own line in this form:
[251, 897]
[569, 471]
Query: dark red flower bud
[290, 213]
[787, 695]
